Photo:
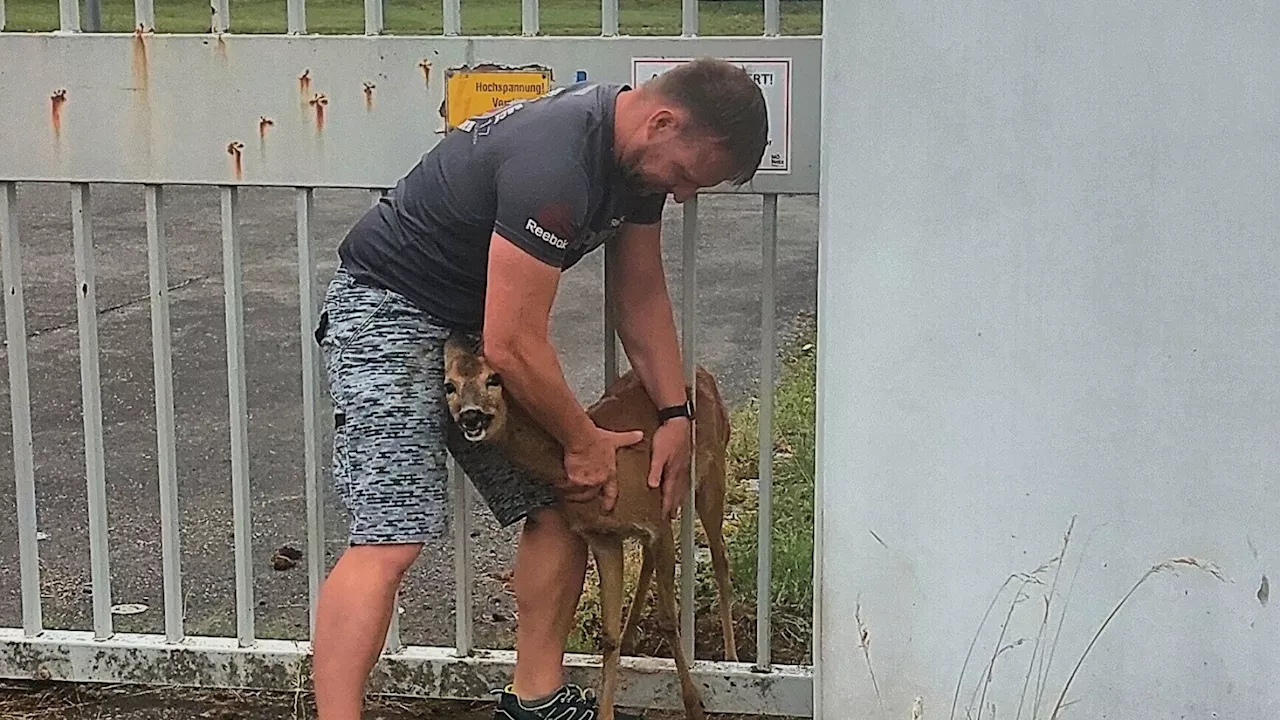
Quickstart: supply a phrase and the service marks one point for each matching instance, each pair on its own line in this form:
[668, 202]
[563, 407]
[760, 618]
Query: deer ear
[470, 341]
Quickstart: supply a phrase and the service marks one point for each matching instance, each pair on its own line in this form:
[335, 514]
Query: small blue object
[580, 76]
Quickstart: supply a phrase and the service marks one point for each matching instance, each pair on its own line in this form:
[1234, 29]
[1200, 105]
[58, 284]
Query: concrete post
[1049, 300]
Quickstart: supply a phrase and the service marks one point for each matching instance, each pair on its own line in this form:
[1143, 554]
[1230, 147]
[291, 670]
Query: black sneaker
[570, 702]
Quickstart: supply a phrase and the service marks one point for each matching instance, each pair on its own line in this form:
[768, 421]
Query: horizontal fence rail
[311, 112]
[335, 111]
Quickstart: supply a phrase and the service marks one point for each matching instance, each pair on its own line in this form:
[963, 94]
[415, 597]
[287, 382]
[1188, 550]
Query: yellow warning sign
[468, 93]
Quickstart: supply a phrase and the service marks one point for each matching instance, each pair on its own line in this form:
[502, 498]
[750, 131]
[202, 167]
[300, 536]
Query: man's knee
[383, 564]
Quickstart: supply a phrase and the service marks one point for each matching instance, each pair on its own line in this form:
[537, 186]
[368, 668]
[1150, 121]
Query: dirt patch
[64, 701]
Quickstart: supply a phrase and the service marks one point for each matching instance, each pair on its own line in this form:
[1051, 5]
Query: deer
[485, 412]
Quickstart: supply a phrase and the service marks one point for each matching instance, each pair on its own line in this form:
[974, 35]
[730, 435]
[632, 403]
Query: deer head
[473, 389]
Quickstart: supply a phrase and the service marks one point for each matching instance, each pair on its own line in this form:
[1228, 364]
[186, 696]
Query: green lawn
[479, 17]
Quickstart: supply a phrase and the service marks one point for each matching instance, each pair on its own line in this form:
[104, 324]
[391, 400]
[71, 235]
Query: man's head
[695, 126]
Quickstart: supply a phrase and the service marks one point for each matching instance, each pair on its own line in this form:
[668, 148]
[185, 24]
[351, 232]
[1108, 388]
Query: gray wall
[1050, 289]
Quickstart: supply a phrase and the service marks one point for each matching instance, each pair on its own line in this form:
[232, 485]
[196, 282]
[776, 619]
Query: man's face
[665, 158]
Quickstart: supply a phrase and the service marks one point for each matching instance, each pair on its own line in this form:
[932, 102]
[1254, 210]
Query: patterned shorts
[384, 359]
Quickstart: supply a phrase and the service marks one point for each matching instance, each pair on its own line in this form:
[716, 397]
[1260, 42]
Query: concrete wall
[1050, 290]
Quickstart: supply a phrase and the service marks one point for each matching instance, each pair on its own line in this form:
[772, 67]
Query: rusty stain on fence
[220, 48]
[264, 122]
[235, 150]
[141, 64]
[319, 101]
[425, 67]
[368, 95]
[304, 87]
[56, 102]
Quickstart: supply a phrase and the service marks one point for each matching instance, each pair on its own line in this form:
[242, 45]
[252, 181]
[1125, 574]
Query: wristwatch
[685, 409]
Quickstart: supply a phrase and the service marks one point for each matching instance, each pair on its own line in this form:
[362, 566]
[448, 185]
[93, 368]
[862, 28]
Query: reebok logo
[550, 237]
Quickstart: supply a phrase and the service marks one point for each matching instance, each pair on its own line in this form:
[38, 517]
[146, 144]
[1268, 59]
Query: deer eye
[495, 380]
[450, 388]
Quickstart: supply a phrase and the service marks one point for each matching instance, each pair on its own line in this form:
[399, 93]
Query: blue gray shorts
[384, 358]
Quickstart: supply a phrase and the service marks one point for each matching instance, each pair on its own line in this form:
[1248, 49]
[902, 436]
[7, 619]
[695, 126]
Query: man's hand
[591, 468]
[670, 465]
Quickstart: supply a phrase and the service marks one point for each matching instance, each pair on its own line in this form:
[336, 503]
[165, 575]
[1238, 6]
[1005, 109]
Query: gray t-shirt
[542, 173]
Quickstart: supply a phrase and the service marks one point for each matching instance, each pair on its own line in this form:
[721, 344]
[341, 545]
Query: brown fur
[637, 513]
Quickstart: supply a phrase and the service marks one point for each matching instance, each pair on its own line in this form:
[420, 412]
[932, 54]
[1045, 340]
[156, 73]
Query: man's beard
[633, 179]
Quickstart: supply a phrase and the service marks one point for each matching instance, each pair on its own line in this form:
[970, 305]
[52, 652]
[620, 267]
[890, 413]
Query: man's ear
[663, 121]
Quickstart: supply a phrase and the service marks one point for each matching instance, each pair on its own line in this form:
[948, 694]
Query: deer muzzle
[474, 423]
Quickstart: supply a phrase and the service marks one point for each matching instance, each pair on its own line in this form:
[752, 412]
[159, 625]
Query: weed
[1040, 664]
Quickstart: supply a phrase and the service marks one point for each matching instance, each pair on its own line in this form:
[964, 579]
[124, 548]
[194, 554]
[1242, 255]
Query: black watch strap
[675, 411]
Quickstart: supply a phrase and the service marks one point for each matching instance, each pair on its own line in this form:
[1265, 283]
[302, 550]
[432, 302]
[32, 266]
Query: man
[475, 237]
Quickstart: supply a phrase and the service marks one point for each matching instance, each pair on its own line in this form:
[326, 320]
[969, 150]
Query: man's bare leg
[352, 616]
[550, 566]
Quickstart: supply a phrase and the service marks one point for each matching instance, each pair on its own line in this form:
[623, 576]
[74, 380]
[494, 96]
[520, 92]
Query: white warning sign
[773, 75]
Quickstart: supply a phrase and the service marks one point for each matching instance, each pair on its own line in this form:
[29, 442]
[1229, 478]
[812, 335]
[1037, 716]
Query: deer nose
[474, 419]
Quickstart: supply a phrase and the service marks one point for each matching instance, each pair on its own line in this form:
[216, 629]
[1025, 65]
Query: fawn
[484, 412]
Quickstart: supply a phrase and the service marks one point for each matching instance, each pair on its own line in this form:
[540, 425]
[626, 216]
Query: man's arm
[521, 290]
[645, 320]
[646, 326]
[541, 207]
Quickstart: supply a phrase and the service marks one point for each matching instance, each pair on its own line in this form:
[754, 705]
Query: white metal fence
[158, 110]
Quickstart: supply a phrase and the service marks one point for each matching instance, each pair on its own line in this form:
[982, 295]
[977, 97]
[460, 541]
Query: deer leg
[709, 501]
[664, 558]
[608, 554]
[632, 627]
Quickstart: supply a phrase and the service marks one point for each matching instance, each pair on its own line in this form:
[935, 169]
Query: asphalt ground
[729, 288]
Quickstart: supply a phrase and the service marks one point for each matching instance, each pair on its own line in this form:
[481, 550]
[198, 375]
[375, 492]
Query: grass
[479, 17]
[791, 596]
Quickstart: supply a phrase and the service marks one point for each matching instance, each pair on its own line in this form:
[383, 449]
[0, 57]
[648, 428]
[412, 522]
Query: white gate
[304, 112]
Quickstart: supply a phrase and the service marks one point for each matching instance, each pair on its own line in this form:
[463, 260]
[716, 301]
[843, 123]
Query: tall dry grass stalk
[1040, 665]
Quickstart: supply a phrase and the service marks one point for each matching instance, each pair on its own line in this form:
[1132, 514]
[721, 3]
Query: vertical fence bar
[144, 15]
[772, 18]
[461, 560]
[529, 17]
[373, 17]
[220, 16]
[237, 399]
[91, 398]
[392, 642]
[93, 15]
[69, 15]
[610, 316]
[764, 515]
[2, 16]
[689, 18]
[452, 17]
[609, 17]
[297, 11]
[166, 434]
[312, 384]
[688, 337]
[15, 325]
